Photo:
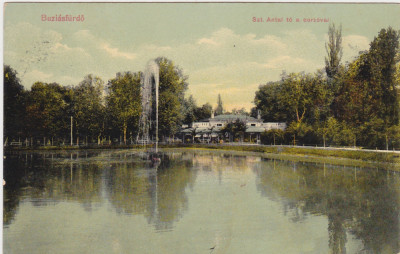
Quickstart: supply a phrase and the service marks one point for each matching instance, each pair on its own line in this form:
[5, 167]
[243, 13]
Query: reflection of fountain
[149, 89]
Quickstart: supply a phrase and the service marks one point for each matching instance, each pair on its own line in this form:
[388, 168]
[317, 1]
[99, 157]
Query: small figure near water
[155, 157]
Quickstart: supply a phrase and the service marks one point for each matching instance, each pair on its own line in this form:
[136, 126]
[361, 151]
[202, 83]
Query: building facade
[211, 129]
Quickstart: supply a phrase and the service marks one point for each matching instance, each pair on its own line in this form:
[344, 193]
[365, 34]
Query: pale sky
[217, 45]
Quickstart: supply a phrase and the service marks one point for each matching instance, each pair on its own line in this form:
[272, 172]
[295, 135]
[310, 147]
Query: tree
[124, 102]
[219, 110]
[334, 50]
[267, 99]
[203, 112]
[300, 132]
[173, 85]
[47, 110]
[353, 102]
[234, 129]
[14, 104]
[382, 66]
[368, 99]
[89, 107]
[273, 136]
[241, 111]
[189, 110]
[304, 97]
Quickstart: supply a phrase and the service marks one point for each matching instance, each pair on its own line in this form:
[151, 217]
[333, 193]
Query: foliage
[47, 109]
[267, 99]
[203, 112]
[352, 105]
[296, 97]
[234, 130]
[14, 104]
[274, 136]
[173, 85]
[239, 111]
[189, 110]
[124, 102]
[219, 110]
[89, 107]
[356, 105]
[334, 51]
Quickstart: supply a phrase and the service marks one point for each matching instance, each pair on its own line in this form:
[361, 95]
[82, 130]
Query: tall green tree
[89, 107]
[368, 99]
[219, 110]
[382, 66]
[173, 84]
[334, 50]
[267, 99]
[124, 102]
[47, 111]
[304, 97]
[14, 104]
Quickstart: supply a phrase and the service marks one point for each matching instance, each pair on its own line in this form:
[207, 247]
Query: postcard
[207, 127]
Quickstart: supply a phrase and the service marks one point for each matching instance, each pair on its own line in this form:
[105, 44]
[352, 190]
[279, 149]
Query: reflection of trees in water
[132, 186]
[158, 192]
[362, 202]
[40, 178]
[128, 187]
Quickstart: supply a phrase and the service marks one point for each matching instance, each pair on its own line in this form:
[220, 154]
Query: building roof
[232, 117]
[202, 130]
[253, 129]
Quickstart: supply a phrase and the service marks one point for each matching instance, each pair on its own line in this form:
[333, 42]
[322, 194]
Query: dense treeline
[346, 105]
[100, 113]
[355, 104]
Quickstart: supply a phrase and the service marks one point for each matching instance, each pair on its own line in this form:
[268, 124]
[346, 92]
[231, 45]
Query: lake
[195, 202]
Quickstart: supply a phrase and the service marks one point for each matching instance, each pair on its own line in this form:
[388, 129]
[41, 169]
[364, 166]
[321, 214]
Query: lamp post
[72, 142]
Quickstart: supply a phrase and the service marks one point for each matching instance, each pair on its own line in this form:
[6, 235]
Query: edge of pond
[359, 158]
[393, 166]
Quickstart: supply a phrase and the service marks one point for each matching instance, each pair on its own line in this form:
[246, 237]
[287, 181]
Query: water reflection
[133, 186]
[356, 203]
[157, 192]
[45, 182]
[363, 202]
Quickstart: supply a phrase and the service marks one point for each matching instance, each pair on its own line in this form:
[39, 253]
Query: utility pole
[72, 142]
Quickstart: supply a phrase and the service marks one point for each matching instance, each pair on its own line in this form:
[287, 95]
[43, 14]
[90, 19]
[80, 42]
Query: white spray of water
[151, 77]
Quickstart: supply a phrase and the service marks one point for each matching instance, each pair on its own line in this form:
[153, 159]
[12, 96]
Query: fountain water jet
[150, 82]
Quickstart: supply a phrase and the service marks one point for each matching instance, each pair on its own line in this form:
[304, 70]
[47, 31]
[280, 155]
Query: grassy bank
[362, 158]
[350, 154]
[320, 155]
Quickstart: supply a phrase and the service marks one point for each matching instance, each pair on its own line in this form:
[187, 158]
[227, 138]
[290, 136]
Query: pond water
[195, 202]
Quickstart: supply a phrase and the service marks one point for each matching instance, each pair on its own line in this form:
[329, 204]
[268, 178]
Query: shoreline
[389, 160]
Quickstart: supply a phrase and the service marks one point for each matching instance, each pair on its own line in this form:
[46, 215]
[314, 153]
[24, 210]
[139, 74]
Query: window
[219, 124]
[253, 124]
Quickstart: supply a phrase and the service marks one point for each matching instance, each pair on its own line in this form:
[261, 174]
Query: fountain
[150, 86]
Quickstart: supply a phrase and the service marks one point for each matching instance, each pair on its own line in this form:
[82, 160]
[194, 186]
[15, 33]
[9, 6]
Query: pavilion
[209, 130]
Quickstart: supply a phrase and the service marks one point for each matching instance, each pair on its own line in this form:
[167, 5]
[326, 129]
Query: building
[209, 130]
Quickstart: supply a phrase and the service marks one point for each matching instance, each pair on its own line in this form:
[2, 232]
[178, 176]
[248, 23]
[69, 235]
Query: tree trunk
[387, 143]
[125, 134]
